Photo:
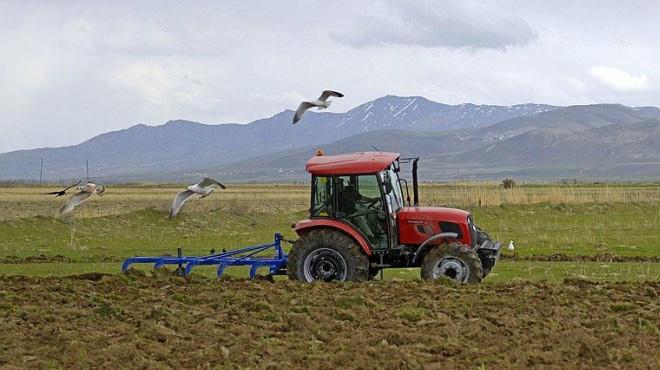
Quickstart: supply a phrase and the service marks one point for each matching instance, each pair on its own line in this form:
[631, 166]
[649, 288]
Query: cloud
[168, 84]
[619, 79]
[71, 70]
[438, 24]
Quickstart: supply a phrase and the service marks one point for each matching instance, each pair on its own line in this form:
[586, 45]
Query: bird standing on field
[201, 190]
[62, 192]
[321, 103]
[81, 197]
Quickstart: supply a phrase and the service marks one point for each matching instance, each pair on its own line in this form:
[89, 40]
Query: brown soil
[137, 321]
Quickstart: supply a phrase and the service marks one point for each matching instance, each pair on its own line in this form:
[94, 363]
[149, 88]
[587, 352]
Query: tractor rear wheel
[327, 255]
[454, 261]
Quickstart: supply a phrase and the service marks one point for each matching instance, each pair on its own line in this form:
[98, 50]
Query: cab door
[393, 202]
[361, 203]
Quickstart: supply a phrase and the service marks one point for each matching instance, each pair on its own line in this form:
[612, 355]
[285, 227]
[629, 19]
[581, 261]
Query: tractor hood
[417, 224]
[429, 214]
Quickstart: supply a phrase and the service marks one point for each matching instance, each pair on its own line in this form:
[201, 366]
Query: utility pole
[41, 172]
[87, 165]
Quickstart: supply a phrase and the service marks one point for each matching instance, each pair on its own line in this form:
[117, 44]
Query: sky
[71, 70]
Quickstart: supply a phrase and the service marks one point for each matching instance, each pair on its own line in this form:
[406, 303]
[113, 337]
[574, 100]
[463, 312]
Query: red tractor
[359, 223]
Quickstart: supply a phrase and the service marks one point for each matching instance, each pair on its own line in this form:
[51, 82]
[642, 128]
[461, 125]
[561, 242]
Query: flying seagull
[321, 103]
[81, 197]
[201, 190]
[62, 192]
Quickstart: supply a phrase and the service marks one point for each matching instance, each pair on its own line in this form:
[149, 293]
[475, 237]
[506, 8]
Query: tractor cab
[367, 201]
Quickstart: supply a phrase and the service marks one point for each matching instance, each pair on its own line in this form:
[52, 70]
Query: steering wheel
[371, 203]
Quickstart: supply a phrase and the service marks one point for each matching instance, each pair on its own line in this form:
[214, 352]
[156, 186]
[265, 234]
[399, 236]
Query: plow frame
[276, 264]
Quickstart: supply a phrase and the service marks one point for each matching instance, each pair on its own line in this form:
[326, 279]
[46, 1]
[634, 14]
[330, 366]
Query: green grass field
[619, 220]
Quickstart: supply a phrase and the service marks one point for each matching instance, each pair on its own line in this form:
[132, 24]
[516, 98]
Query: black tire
[482, 236]
[486, 270]
[487, 262]
[453, 260]
[327, 255]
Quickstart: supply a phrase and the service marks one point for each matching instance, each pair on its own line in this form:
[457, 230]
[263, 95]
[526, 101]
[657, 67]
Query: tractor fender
[304, 226]
[426, 245]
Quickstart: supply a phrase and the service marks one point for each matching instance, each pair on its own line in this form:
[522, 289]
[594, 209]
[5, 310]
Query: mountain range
[527, 141]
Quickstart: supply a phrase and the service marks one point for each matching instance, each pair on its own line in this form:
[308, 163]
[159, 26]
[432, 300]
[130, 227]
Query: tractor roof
[350, 164]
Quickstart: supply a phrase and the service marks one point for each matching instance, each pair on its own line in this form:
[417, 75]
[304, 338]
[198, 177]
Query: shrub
[508, 183]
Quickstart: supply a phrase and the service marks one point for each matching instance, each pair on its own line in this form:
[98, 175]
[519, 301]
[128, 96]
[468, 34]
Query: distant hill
[611, 143]
[527, 141]
[177, 147]
[571, 120]
[290, 164]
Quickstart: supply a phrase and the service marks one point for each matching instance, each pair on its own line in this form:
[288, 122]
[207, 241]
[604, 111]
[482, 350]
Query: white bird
[321, 103]
[510, 246]
[201, 190]
[81, 197]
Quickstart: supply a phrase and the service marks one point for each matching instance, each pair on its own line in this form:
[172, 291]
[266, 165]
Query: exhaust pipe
[414, 178]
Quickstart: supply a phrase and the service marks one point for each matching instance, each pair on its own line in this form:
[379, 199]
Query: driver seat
[348, 198]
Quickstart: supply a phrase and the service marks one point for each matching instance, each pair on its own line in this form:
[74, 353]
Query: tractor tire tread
[329, 238]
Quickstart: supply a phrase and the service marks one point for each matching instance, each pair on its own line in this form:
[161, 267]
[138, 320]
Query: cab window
[359, 202]
[322, 197]
[393, 194]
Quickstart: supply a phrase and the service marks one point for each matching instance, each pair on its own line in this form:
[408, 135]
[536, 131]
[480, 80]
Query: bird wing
[179, 201]
[76, 184]
[63, 191]
[328, 93]
[75, 201]
[209, 181]
[301, 110]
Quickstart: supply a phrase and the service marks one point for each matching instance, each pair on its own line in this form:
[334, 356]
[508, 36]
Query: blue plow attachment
[247, 256]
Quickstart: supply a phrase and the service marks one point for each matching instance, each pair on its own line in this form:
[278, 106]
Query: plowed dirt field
[138, 321]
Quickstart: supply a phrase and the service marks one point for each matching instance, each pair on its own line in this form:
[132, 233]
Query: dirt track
[167, 322]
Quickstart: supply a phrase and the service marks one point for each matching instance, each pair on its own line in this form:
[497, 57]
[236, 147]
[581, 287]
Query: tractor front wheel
[327, 255]
[454, 261]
